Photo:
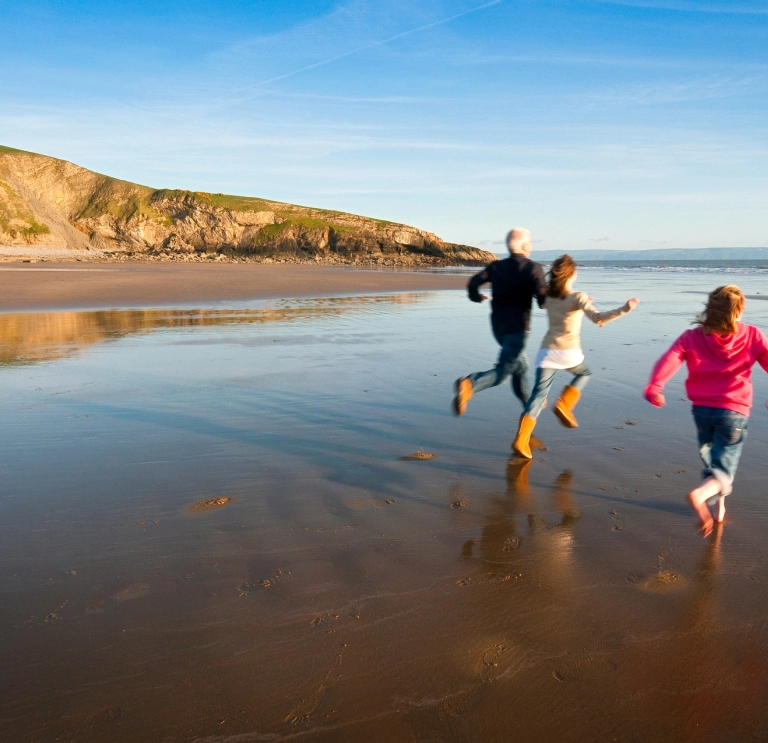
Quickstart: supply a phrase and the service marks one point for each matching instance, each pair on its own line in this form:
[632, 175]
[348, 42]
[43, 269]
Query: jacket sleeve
[475, 283]
[539, 285]
[664, 369]
[600, 318]
[761, 349]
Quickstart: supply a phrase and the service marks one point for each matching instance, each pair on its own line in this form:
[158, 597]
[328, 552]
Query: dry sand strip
[25, 287]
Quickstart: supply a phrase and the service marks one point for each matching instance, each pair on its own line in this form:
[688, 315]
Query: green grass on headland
[238, 203]
[124, 200]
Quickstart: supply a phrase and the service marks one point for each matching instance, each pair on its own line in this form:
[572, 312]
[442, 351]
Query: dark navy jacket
[515, 282]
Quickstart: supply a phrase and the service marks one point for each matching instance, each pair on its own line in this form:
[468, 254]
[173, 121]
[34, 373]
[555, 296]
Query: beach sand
[260, 521]
[34, 287]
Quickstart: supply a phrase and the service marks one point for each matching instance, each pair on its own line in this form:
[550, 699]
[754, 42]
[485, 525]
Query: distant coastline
[660, 254]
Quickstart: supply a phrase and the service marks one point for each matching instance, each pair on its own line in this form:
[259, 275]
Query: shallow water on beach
[213, 528]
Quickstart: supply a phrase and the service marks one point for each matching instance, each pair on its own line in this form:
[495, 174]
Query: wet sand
[49, 286]
[220, 525]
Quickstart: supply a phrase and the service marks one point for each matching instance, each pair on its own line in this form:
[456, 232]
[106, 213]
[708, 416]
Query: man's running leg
[511, 362]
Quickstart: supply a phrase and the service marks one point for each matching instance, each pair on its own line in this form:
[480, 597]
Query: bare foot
[718, 510]
[698, 498]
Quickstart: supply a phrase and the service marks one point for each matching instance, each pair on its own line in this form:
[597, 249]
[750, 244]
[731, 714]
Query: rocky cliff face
[46, 202]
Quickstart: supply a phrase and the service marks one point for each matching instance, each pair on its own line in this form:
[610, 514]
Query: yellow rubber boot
[565, 405]
[464, 391]
[522, 443]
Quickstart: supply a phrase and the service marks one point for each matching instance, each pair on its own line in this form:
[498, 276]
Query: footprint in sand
[663, 581]
[324, 619]
[248, 586]
[134, 591]
[618, 522]
[497, 658]
[206, 505]
[583, 668]
[492, 654]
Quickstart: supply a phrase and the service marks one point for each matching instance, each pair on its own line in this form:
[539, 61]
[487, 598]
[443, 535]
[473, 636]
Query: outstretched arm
[475, 283]
[540, 286]
[663, 371]
[600, 318]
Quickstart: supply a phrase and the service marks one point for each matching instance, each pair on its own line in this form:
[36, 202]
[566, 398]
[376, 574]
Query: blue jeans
[512, 363]
[544, 379]
[721, 437]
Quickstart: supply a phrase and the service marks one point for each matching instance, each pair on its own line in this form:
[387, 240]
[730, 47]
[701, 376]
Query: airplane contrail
[377, 43]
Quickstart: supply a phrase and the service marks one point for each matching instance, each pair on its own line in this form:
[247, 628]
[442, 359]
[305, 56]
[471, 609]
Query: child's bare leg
[698, 498]
[718, 510]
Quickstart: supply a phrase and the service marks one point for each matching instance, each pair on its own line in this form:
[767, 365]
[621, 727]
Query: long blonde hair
[722, 311]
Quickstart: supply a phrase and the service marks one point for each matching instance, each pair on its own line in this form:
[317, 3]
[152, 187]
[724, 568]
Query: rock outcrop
[45, 202]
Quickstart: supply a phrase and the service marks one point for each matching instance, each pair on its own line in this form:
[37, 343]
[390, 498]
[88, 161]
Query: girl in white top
[561, 349]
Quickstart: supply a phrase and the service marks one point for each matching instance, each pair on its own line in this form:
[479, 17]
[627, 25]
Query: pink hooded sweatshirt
[719, 368]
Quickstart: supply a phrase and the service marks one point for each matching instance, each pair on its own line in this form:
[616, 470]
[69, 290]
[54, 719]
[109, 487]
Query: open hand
[632, 303]
[655, 398]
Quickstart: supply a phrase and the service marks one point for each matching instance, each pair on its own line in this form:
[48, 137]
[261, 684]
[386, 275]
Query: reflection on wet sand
[501, 536]
[46, 336]
[707, 680]
[702, 679]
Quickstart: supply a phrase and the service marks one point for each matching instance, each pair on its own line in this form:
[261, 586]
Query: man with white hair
[515, 281]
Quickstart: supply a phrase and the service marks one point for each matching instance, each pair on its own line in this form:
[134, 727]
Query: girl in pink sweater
[720, 353]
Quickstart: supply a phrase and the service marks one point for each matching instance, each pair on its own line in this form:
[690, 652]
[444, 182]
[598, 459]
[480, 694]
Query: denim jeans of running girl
[721, 436]
[544, 379]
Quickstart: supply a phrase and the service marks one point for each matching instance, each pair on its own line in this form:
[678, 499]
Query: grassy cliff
[50, 202]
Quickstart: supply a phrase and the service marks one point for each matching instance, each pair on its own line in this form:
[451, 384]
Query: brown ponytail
[562, 270]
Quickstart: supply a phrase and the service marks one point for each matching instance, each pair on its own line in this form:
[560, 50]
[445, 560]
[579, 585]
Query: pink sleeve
[666, 366]
[761, 349]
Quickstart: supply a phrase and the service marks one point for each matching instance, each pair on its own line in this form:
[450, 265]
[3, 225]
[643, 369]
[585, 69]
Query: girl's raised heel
[564, 407]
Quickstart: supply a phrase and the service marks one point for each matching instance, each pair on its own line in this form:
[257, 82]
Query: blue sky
[614, 124]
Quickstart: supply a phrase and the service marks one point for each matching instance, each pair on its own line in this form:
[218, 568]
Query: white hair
[518, 239]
